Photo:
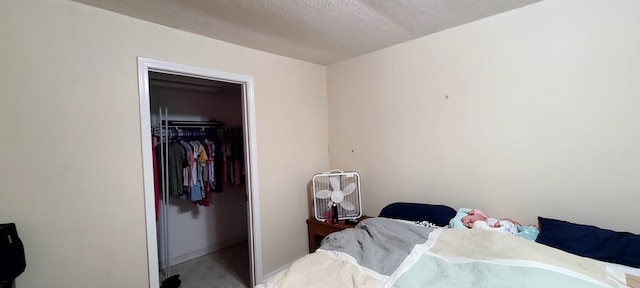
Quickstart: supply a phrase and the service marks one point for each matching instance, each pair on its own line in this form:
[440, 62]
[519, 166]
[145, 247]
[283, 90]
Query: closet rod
[211, 123]
[180, 131]
[190, 127]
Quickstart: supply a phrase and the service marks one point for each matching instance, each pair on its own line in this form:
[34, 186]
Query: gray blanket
[380, 244]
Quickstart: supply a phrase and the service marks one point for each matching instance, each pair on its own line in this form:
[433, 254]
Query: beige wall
[70, 151]
[542, 115]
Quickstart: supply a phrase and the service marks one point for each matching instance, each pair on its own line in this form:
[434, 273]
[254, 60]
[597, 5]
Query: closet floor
[228, 267]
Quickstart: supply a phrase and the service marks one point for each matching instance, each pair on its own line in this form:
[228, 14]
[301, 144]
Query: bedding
[382, 252]
[590, 241]
[439, 215]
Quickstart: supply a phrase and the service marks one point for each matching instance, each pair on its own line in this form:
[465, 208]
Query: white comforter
[445, 258]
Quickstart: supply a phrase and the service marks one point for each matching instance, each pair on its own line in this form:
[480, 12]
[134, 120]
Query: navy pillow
[591, 241]
[436, 214]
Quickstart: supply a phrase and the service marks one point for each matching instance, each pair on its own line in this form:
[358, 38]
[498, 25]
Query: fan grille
[321, 181]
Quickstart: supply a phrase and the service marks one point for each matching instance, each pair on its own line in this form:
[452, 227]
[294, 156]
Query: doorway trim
[145, 66]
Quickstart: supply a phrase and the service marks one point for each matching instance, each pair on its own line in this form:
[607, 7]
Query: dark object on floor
[171, 282]
[6, 284]
[12, 259]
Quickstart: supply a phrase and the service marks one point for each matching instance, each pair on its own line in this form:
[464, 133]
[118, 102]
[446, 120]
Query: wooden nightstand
[318, 230]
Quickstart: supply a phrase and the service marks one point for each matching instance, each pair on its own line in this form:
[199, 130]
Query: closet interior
[199, 175]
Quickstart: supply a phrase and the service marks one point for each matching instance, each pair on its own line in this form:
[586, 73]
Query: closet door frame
[145, 66]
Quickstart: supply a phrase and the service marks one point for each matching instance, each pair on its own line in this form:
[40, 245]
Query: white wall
[70, 154]
[195, 105]
[531, 112]
[197, 230]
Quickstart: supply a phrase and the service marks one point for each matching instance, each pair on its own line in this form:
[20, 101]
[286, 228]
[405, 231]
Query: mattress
[382, 252]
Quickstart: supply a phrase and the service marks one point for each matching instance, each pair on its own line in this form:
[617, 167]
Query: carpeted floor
[224, 268]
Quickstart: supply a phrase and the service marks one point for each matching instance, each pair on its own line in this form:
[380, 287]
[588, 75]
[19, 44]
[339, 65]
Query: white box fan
[336, 186]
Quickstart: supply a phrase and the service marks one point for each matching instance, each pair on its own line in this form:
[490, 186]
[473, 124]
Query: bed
[386, 252]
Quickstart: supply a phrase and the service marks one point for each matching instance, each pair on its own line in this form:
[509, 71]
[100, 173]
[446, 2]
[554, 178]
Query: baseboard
[204, 251]
[268, 277]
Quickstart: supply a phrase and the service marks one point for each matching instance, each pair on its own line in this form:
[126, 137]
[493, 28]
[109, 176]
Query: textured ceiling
[319, 31]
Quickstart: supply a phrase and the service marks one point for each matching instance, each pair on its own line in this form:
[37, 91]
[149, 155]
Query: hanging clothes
[176, 156]
[218, 164]
[156, 182]
[233, 153]
[190, 165]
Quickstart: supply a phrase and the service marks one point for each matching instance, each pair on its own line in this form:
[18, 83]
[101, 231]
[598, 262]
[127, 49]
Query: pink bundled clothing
[475, 211]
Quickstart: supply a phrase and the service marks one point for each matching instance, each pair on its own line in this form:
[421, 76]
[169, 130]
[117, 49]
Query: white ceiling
[319, 31]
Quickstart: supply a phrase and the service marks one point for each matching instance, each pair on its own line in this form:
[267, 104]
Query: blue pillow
[436, 214]
[456, 222]
[591, 241]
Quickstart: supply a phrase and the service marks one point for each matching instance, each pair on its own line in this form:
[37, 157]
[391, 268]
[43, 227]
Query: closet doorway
[179, 227]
